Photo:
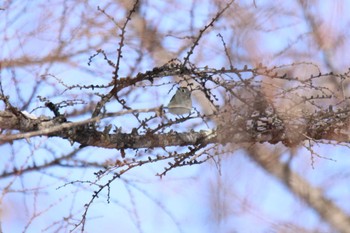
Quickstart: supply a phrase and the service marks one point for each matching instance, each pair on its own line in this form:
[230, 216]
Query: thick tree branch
[251, 129]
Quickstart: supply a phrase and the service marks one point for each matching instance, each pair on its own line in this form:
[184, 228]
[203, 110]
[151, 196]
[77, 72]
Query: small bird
[181, 102]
